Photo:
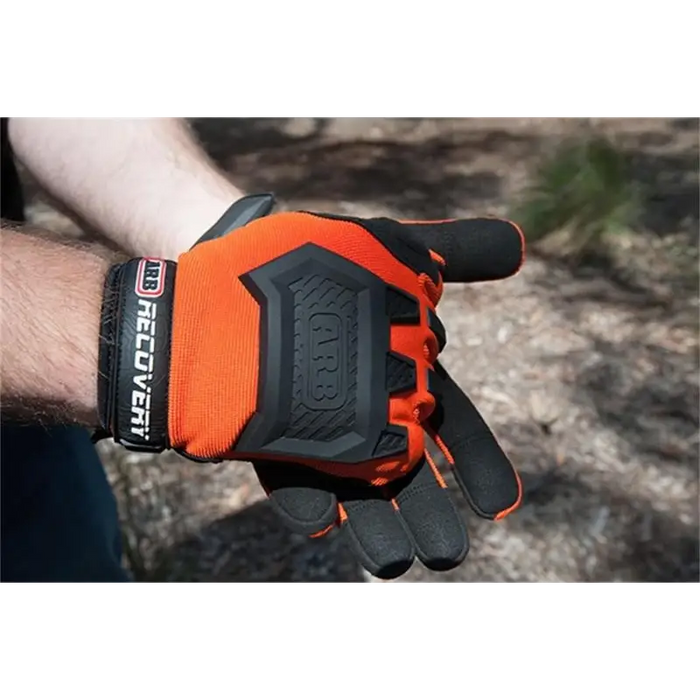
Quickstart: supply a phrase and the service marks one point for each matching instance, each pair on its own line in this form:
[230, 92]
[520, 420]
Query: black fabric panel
[435, 325]
[482, 469]
[400, 373]
[402, 308]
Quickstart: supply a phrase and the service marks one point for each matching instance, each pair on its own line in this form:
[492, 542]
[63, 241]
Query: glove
[414, 515]
[387, 526]
[301, 338]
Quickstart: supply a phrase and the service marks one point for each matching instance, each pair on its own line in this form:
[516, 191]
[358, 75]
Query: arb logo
[325, 386]
[150, 277]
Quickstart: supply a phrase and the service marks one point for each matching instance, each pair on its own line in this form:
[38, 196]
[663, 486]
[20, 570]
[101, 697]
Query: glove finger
[431, 516]
[474, 250]
[483, 471]
[302, 497]
[307, 502]
[375, 531]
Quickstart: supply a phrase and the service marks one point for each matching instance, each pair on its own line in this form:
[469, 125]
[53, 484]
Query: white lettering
[140, 381]
[138, 414]
[141, 361]
[143, 325]
[144, 362]
[143, 338]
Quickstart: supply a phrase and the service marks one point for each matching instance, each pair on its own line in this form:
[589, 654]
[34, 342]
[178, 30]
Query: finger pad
[378, 537]
[436, 527]
[305, 510]
[487, 476]
[483, 250]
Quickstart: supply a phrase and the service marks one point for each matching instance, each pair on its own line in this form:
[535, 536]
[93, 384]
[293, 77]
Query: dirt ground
[588, 374]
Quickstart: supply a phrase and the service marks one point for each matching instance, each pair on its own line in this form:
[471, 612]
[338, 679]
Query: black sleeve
[11, 198]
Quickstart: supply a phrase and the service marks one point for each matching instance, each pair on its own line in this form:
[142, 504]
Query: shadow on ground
[424, 176]
[623, 538]
[423, 166]
[649, 545]
[657, 414]
[647, 390]
[252, 545]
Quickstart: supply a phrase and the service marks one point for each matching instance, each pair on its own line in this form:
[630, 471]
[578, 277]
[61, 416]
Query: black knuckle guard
[324, 385]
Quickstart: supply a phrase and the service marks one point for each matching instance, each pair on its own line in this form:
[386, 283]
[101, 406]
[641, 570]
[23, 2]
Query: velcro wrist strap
[134, 358]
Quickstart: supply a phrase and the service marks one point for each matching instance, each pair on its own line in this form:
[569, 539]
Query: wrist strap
[134, 357]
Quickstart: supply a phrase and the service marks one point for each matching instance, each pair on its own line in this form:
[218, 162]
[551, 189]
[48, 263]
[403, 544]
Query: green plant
[578, 196]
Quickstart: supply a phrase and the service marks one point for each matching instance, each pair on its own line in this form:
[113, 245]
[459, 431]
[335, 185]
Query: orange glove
[299, 337]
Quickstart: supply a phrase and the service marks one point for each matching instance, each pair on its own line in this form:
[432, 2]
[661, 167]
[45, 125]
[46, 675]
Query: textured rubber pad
[326, 370]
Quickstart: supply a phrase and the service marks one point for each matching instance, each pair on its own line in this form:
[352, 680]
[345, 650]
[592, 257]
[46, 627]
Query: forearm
[51, 297]
[144, 183]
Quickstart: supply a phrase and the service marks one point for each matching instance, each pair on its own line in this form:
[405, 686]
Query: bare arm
[50, 297]
[144, 183]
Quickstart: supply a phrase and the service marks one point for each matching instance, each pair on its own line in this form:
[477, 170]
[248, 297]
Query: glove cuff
[134, 354]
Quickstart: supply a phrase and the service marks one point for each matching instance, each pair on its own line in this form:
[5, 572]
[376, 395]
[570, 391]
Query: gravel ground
[588, 375]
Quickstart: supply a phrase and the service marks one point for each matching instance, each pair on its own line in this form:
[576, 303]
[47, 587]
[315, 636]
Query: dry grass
[588, 374]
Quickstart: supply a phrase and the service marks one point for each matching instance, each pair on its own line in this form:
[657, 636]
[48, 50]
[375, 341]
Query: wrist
[77, 388]
[51, 297]
[195, 212]
[134, 352]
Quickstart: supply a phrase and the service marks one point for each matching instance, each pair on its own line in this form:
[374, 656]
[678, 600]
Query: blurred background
[585, 365]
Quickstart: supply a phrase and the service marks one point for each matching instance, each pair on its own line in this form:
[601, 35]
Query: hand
[415, 515]
[321, 369]
[301, 337]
